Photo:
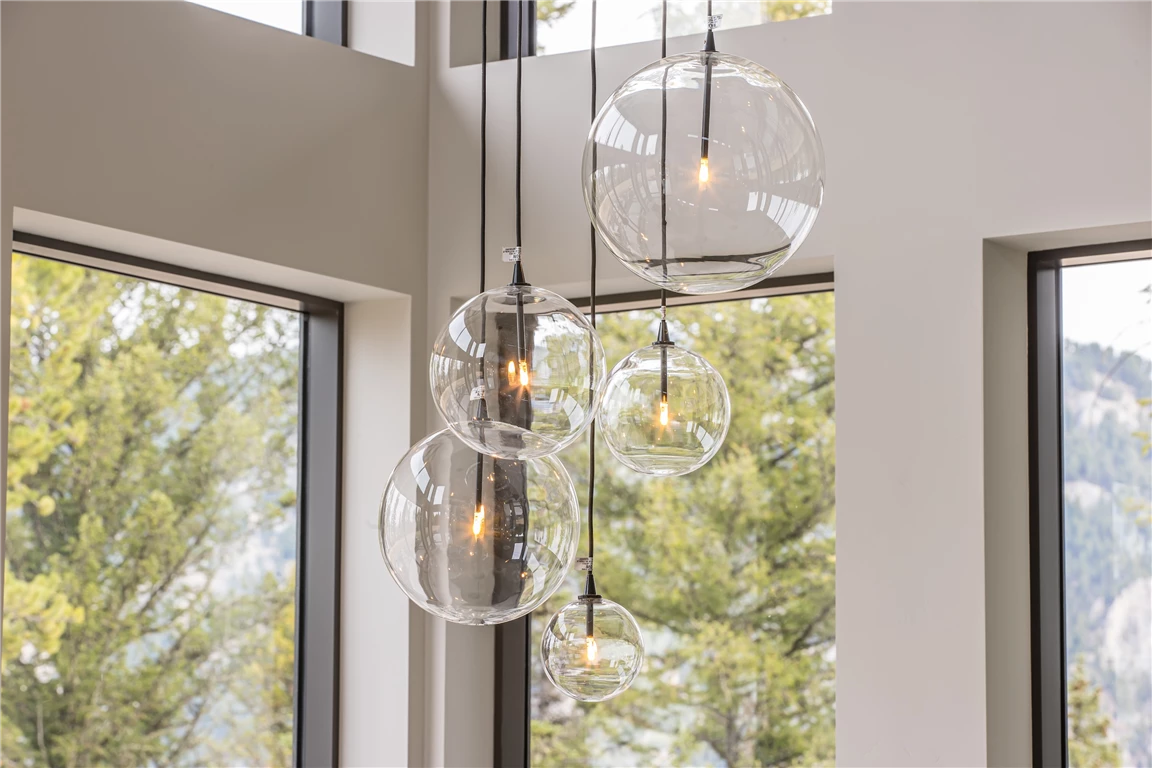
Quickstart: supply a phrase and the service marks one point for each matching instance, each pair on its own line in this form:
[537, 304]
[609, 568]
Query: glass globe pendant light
[666, 410]
[470, 537]
[737, 154]
[475, 539]
[592, 649]
[527, 354]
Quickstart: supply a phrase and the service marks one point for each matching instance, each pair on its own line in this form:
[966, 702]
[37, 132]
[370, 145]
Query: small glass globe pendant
[743, 162]
[666, 410]
[517, 372]
[592, 649]
[475, 539]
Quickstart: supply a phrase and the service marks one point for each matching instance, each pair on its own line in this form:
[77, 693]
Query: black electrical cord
[519, 109]
[664, 159]
[591, 586]
[483, 137]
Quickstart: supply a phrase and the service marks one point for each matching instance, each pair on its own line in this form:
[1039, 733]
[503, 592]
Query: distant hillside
[1108, 538]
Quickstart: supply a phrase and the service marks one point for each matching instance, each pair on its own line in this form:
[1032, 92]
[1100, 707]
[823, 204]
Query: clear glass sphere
[475, 539]
[739, 202]
[517, 372]
[665, 429]
[592, 649]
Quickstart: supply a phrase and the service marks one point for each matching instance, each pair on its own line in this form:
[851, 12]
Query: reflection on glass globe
[739, 202]
[592, 649]
[475, 539]
[665, 430]
[517, 372]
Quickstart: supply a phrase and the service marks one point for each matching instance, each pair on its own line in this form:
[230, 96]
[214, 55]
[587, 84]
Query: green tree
[730, 570]
[1090, 743]
[152, 433]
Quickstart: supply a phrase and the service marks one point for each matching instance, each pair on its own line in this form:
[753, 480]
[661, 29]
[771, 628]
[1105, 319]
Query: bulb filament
[590, 648]
[478, 521]
[664, 410]
[704, 174]
[523, 373]
[511, 373]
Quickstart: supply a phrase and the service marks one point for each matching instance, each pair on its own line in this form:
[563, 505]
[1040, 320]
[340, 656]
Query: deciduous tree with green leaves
[152, 435]
[731, 569]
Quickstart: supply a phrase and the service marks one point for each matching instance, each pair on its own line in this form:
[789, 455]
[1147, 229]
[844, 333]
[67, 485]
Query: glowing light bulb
[478, 521]
[590, 648]
[523, 373]
[704, 175]
[664, 411]
[511, 373]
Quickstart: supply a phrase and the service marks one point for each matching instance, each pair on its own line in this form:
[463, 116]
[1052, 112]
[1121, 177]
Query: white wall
[944, 124]
[187, 135]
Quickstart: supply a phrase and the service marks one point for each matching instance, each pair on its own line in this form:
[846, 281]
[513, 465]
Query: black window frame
[508, 22]
[1046, 489]
[326, 20]
[316, 710]
[512, 704]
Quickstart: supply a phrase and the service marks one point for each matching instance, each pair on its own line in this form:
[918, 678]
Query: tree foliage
[152, 437]
[730, 570]
[1090, 743]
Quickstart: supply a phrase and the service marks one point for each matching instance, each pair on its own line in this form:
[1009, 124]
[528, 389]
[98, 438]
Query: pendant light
[518, 370]
[744, 180]
[592, 649]
[474, 538]
[666, 410]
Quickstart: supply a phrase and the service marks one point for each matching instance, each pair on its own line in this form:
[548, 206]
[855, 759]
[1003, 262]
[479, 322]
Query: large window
[729, 570]
[1093, 485]
[322, 19]
[155, 540]
[562, 26]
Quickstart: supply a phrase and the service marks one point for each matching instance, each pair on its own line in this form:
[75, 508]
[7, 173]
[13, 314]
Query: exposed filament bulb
[663, 410]
[704, 174]
[590, 649]
[478, 521]
[518, 375]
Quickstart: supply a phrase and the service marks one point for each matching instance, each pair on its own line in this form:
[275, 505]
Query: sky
[1108, 304]
[283, 14]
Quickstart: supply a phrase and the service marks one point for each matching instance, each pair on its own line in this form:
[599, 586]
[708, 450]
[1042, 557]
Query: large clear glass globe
[592, 649]
[666, 411]
[739, 201]
[517, 372]
[475, 539]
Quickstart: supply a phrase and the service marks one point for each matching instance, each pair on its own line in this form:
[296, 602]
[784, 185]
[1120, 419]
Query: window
[323, 19]
[166, 522]
[1092, 514]
[729, 570]
[562, 26]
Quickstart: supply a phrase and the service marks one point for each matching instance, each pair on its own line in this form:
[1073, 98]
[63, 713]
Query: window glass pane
[149, 594]
[565, 25]
[1107, 383]
[282, 14]
[730, 570]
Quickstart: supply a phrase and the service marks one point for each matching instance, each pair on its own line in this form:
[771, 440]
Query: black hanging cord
[483, 136]
[590, 585]
[664, 163]
[519, 104]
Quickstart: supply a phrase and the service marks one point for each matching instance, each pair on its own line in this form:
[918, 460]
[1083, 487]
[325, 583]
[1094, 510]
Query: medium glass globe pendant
[518, 371]
[476, 539]
[742, 164]
[666, 410]
[592, 649]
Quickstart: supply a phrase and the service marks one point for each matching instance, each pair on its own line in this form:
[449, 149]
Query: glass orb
[475, 539]
[592, 649]
[517, 372]
[739, 202]
[659, 435]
